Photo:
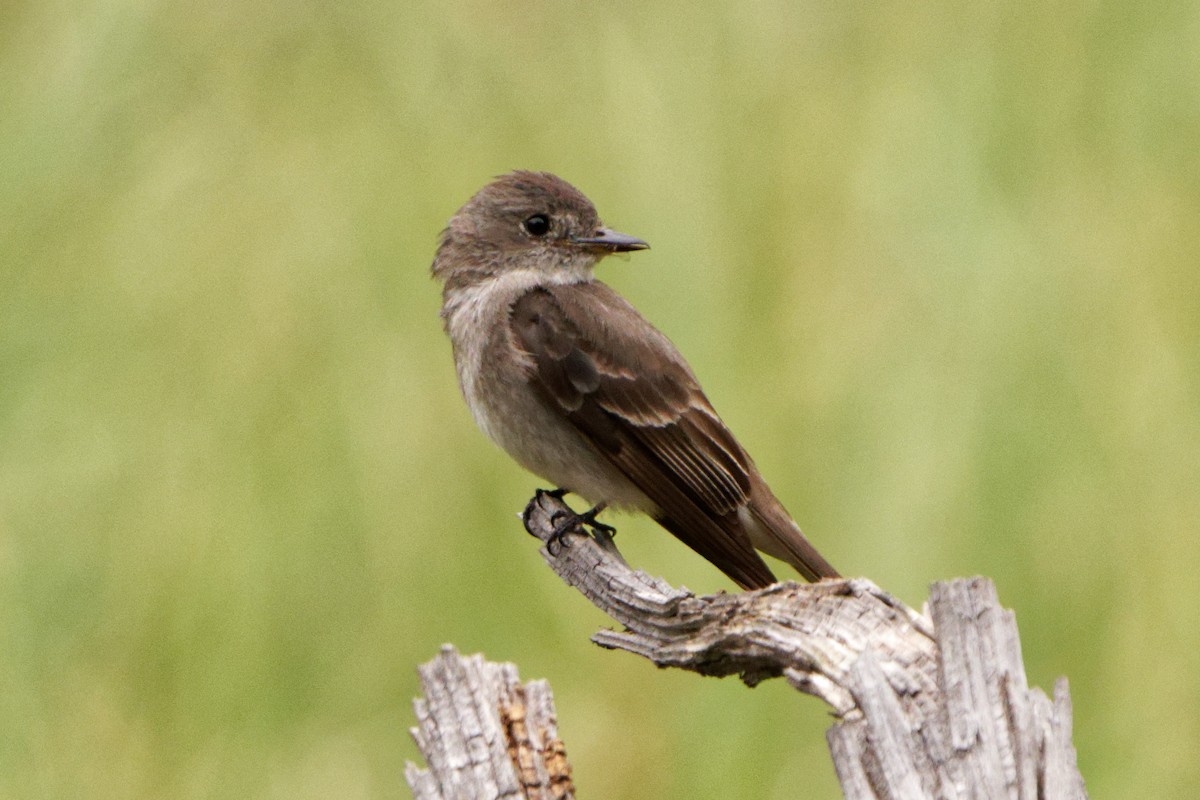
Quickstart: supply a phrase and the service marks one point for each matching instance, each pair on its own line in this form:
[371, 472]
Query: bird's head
[530, 221]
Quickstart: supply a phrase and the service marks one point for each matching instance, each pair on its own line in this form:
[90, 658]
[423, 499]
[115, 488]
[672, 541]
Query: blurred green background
[938, 267]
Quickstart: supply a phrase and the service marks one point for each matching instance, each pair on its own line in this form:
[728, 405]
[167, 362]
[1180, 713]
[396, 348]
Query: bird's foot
[535, 503]
[569, 522]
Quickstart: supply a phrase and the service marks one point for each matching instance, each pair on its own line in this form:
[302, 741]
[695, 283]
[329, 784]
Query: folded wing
[624, 386]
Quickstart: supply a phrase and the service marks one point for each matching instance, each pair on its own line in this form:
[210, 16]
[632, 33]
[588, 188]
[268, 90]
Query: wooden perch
[484, 735]
[930, 706]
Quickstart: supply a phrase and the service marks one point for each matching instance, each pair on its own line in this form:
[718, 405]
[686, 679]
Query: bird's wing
[624, 386]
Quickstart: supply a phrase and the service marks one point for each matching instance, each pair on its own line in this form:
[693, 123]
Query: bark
[928, 706]
[485, 735]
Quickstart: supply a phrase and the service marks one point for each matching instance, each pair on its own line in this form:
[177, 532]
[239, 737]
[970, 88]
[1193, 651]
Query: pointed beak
[612, 242]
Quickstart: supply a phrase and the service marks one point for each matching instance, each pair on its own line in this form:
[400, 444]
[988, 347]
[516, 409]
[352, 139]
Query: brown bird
[569, 379]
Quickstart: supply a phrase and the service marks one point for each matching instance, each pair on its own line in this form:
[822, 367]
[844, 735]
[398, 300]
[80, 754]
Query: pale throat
[474, 315]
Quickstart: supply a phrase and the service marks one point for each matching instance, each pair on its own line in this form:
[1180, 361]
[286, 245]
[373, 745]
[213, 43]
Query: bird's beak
[612, 242]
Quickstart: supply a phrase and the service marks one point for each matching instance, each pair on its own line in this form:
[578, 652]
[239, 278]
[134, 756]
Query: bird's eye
[537, 225]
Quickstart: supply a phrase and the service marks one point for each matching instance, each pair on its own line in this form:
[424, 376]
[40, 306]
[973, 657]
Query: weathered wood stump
[930, 706]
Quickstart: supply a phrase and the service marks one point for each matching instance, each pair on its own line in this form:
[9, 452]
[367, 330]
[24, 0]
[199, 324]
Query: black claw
[589, 518]
[568, 521]
[569, 524]
[556, 543]
[535, 502]
[573, 523]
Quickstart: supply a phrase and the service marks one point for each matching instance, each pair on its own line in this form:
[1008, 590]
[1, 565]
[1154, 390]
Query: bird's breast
[490, 367]
[495, 377]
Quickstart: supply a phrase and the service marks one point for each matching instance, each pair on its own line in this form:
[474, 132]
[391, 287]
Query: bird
[572, 382]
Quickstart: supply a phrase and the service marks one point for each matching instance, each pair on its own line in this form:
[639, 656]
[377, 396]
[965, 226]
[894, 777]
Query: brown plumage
[578, 387]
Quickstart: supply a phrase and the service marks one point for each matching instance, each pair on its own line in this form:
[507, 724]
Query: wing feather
[625, 387]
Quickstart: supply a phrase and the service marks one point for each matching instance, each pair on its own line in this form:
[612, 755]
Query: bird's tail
[773, 531]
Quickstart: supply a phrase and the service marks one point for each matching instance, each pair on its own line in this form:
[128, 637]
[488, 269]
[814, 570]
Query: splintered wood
[485, 735]
[928, 706]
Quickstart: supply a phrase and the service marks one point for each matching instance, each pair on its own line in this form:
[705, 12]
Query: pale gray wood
[484, 735]
[930, 705]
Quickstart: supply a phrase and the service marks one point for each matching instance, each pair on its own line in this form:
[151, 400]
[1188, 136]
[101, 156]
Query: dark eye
[537, 225]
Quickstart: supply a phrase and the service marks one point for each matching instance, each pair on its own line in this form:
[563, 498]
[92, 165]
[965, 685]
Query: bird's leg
[565, 523]
[604, 535]
[589, 518]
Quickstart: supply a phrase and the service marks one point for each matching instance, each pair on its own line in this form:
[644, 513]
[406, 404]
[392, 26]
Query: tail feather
[748, 571]
[773, 531]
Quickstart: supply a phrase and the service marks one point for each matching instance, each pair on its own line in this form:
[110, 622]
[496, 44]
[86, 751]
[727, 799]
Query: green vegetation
[938, 266]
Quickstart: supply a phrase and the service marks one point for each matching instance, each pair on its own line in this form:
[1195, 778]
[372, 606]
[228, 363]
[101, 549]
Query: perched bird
[567, 377]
